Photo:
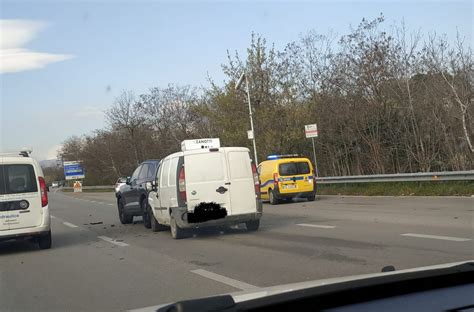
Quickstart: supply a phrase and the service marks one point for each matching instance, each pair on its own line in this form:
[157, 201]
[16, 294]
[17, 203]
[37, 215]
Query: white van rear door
[206, 179]
[242, 187]
[20, 198]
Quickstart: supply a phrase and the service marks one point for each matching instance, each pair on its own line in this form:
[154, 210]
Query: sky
[62, 63]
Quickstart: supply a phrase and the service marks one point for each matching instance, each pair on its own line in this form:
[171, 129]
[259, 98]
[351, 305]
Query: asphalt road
[98, 264]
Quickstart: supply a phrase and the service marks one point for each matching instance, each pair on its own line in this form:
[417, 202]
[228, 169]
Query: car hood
[242, 296]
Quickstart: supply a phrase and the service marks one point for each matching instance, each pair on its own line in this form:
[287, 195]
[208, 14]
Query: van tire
[272, 198]
[312, 198]
[146, 213]
[155, 225]
[45, 241]
[252, 225]
[124, 218]
[176, 231]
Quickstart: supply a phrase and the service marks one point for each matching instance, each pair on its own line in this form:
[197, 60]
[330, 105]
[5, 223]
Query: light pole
[237, 86]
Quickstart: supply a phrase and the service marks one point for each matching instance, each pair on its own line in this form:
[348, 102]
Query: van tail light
[182, 184]
[256, 182]
[44, 191]
[275, 178]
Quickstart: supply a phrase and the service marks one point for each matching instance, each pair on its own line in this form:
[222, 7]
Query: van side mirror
[127, 181]
[154, 186]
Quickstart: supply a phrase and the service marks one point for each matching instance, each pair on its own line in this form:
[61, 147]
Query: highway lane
[98, 264]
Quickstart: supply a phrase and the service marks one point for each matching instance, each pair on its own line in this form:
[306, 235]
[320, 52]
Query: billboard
[73, 170]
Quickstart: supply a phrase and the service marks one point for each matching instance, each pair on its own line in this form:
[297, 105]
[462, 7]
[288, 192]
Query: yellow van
[286, 177]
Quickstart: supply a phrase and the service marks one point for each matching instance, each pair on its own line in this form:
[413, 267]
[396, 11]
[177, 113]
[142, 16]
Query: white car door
[206, 179]
[163, 190]
[242, 185]
[20, 197]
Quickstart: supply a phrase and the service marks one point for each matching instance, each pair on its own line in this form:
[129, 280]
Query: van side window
[158, 175]
[164, 173]
[173, 168]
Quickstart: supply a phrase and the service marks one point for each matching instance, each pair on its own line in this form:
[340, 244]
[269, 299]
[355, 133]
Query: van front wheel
[176, 231]
[155, 226]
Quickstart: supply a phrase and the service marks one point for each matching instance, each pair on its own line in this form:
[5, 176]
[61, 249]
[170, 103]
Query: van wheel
[252, 225]
[124, 219]
[272, 197]
[176, 231]
[155, 225]
[44, 241]
[311, 198]
[146, 213]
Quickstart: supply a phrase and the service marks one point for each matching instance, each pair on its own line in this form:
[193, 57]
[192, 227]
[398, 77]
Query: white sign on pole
[189, 145]
[311, 131]
[250, 134]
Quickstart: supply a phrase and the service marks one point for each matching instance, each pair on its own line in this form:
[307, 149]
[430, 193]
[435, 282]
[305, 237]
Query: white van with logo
[24, 210]
[205, 185]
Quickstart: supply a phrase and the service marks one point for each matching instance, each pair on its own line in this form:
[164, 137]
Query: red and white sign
[311, 131]
[77, 187]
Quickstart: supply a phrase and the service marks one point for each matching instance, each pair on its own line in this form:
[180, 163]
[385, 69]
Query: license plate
[289, 186]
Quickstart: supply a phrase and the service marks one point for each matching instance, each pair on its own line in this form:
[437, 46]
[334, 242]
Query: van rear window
[17, 179]
[294, 168]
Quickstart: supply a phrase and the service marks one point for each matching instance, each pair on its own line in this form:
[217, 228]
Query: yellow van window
[294, 168]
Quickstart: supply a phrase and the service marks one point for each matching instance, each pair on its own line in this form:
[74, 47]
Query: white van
[24, 210]
[205, 185]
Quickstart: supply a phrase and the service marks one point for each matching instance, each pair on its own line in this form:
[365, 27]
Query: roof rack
[23, 152]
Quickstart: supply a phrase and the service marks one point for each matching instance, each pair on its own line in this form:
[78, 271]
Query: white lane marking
[318, 226]
[112, 241]
[70, 225]
[448, 238]
[53, 217]
[224, 280]
[110, 204]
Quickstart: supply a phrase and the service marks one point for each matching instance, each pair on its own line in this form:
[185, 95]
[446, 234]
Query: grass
[428, 188]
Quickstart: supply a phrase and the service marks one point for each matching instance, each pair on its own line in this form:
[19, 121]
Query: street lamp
[237, 86]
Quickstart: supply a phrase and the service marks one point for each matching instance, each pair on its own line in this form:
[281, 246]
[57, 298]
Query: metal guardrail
[375, 178]
[402, 177]
[94, 187]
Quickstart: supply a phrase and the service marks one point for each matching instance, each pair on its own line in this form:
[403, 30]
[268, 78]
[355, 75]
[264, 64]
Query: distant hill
[50, 163]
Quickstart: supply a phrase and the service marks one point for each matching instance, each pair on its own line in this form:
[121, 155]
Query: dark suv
[132, 198]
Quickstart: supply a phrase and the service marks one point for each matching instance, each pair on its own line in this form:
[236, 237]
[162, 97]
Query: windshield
[156, 151]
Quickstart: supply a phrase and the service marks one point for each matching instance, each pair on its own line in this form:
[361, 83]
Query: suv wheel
[252, 225]
[44, 241]
[124, 219]
[176, 231]
[146, 213]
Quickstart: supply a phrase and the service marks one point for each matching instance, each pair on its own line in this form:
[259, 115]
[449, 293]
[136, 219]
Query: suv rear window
[17, 179]
[294, 168]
